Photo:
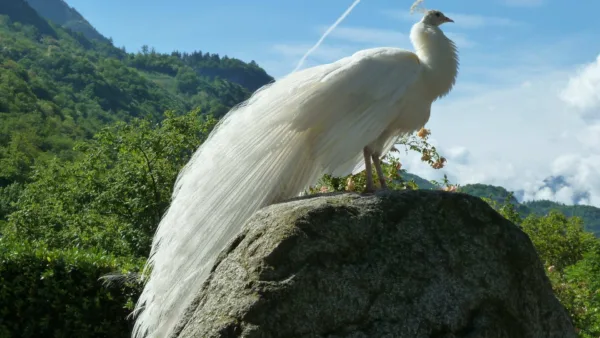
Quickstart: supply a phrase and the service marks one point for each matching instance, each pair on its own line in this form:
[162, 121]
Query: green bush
[57, 293]
[572, 260]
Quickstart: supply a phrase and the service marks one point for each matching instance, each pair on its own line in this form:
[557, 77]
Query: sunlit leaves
[114, 195]
[392, 168]
[571, 257]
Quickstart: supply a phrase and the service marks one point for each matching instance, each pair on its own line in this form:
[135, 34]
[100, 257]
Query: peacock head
[435, 18]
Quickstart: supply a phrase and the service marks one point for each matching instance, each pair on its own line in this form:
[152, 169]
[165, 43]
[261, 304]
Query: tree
[113, 197]
[578, 289]
[187, 81]
[560, 241]
[572, 260]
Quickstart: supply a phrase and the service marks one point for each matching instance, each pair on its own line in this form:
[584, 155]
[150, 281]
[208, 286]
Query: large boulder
[395, 264]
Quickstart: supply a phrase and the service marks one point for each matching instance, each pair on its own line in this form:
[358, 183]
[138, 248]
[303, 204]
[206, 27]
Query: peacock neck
[439, 56]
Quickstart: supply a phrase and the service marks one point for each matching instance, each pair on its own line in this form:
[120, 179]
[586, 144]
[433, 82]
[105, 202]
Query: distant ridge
[66, 16]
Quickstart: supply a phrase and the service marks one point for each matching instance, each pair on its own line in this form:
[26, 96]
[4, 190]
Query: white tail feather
[253, 158]
[270, 148]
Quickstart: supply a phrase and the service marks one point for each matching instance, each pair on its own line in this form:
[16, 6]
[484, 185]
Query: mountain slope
[206, 65]
[19, 11]
[421, 182]
[58, 87]
[249, 75]
[589, 214]
[62, 14]
[55, 88]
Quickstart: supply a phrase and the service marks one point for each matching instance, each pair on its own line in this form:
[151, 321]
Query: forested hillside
[58, 87]
[64, 15]
[589, 214]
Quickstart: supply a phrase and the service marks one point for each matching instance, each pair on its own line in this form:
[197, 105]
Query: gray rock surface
[397, 264]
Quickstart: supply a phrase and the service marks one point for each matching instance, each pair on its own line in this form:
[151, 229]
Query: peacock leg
[380, 176]
[370, 187]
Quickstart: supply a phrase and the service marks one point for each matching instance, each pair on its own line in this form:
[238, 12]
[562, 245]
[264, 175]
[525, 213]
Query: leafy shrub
[392, 169]
[572, 260]
[57, 293]
[114, 195]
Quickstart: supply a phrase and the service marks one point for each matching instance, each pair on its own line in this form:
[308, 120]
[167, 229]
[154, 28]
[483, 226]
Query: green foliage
[572, 259]
[8, 197]
[395, 176]
[589, 214]
[420, 182]
[21, 12]
[560, 241]
[64, 224]
[247, 75]
[578, 289]
[58, 88]
[56, 293]
[507, 208]
[498, 194]
[59, 12]
[53, 92]
[205, 80]
[88, 159]
[392, 171]
[114, 195]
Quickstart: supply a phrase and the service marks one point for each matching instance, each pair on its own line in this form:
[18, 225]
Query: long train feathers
[268, 149]
[271, 148]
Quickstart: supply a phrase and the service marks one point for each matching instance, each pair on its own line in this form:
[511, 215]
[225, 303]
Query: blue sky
[526, 105]
[253, 29]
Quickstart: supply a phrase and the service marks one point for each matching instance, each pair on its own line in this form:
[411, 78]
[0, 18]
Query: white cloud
[518, 135]
[590, 137]
[458, 154]
[583, 89]
[581, 175]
